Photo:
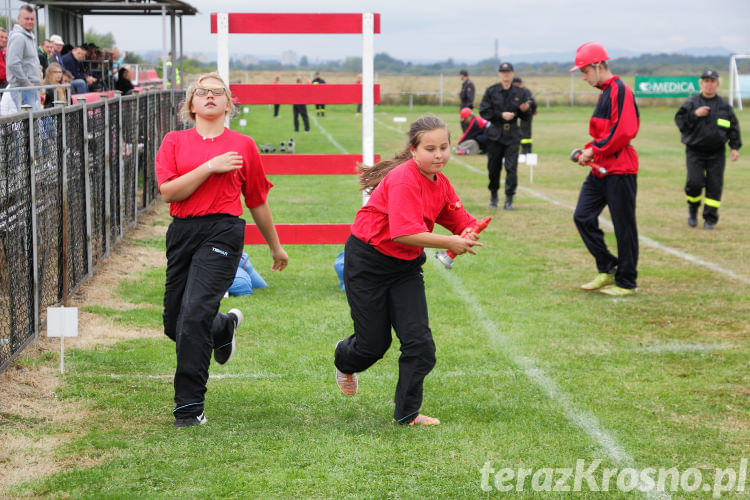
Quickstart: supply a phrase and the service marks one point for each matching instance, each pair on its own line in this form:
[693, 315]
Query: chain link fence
[72, 180]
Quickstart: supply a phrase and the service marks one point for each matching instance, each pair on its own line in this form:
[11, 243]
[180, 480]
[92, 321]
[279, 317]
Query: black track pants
[202, 258]
[300, 110]
[382, 292]
[705, 170]
[496, 151]
[618, 193]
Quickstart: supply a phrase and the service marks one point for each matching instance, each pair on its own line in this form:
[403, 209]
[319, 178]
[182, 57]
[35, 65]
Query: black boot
[509, 202]
[692, 215]
[493, 199]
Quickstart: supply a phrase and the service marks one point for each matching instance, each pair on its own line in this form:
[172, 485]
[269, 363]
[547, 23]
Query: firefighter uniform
[320, 109]
[173, 71]
[526, 140]
[705, 139]
[468, 91]
[504, 136]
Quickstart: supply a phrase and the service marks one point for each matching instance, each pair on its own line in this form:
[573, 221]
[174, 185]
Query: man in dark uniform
[467, 90]
[526, 123]
[503, 104]
[706, 123]
[320, 109]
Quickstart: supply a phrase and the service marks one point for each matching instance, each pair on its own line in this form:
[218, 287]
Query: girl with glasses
[201, 173]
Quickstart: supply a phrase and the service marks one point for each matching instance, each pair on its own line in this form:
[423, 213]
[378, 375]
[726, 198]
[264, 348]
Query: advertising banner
[666, 86]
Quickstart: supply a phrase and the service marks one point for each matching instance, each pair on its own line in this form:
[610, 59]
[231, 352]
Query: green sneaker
[616, 291]
[601, 280]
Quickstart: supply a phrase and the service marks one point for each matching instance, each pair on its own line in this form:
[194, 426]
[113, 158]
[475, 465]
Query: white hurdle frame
[368, 77]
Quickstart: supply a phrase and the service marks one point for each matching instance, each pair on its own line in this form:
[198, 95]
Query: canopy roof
[119, 7]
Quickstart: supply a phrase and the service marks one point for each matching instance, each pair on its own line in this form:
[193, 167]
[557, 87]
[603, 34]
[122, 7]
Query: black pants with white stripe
[202, 258]
[385, 292]
[618, 193]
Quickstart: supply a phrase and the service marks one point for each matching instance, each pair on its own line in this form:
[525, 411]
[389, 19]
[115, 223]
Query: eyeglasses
[216, 92]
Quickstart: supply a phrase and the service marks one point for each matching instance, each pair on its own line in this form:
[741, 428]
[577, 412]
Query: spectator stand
[366, 94]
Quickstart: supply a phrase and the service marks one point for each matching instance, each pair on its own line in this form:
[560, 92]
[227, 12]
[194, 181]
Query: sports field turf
[532, 373]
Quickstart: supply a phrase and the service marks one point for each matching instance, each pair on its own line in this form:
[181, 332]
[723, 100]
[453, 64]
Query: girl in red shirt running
[201, 172]
[383, 263]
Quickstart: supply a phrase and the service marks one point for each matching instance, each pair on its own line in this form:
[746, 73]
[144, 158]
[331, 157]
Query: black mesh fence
[47, 173]
[114, 170]
[129, 153]
[71, 179]
[96, 145]
[76, 243]
[17, 327]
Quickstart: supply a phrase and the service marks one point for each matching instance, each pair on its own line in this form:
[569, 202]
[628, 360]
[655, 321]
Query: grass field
[532, 373]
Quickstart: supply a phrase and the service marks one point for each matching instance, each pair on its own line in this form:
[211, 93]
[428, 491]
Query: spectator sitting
[54, 76]
[123, 83]
[66, 48]
[57, 45]
[474, 139]
[72, 63]
[43, 52]
[22, 61]
[94, 63]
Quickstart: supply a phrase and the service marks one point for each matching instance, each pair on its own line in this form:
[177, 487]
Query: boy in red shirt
[383, 263]
[612, 181]
[201, 172]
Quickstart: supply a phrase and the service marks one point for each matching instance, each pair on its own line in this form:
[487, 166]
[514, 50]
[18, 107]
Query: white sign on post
[62, 322]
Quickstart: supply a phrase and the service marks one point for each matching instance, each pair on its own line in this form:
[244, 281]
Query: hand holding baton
[446, 256]
[576, 153]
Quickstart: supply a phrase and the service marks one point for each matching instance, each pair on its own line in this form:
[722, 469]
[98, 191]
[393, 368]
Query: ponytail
[370, 176]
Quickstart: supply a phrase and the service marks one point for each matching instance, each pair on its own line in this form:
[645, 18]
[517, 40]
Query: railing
[72, 180]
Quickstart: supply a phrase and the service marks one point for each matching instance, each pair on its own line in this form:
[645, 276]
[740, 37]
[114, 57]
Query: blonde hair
[60, 92]
[370, 176]
[48, 75]
[187, 114]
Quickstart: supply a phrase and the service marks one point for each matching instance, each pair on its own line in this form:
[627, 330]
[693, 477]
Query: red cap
[465, 112]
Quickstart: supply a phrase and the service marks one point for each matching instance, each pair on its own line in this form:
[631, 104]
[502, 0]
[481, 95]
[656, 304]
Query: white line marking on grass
[329, 136]
[649, 242]
[586, 421]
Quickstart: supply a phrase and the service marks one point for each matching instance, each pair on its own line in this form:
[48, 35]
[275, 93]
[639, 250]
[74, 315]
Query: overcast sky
[419, 30]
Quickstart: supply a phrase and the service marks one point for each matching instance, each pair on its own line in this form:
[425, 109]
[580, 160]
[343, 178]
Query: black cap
[506, 66]
[517, 79]
[463, 72]
[709, 73]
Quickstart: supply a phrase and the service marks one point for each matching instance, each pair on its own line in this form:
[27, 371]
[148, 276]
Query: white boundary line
[586, 421]
[329, 136]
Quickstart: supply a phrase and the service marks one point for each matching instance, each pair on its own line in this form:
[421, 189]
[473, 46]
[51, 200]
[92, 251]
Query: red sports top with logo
[184, 150]
[613, 125]
[406, 202]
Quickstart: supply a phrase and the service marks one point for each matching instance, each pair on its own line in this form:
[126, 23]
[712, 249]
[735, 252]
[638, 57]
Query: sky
[432, 30]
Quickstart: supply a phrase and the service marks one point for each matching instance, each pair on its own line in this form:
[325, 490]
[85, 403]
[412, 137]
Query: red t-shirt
[184, 150]
[406, 202]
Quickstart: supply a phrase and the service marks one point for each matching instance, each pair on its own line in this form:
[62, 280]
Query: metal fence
[72, 180]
